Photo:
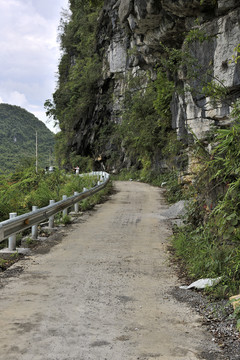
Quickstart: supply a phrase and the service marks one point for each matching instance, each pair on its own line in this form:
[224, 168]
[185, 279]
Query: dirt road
[104, 292]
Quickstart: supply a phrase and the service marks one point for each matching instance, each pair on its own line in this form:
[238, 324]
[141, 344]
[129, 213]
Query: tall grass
[205, 257]
[21, 190]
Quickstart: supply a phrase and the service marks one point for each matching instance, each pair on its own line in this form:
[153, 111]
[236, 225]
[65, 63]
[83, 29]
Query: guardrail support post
[64, 213]
[51, 219]
[34, 227]
[12, 238]
[84, 189]
[76, 206]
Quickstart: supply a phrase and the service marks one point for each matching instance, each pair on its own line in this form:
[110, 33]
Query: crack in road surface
[104, 292]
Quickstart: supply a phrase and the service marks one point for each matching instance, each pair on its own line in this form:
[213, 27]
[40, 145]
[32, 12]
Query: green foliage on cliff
[140, 130]
[146, 126]
[236, 56]
[79, 71]
[18, 138]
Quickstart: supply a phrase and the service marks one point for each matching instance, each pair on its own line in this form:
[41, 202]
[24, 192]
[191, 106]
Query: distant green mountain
[18, 129]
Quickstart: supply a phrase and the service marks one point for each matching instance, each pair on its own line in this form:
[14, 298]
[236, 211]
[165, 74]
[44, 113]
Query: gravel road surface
[103, 292]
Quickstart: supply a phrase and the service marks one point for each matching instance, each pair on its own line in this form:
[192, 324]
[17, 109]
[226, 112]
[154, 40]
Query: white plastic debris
[202, 283]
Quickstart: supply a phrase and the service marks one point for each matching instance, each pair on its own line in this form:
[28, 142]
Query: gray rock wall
[129, 37]
[132, 44]
[197, 111]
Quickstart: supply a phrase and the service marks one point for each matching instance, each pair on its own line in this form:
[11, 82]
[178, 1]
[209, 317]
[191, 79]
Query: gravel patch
[217, 317]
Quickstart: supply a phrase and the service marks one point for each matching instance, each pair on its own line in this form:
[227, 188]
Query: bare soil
[106, 290]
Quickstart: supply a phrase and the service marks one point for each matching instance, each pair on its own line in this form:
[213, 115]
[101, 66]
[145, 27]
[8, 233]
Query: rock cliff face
[131, 33]
[197, 112]
[129, 38]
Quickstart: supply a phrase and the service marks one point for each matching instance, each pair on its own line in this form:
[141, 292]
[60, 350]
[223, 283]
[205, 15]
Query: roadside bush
[23, 189]
[205, 257]
[98, 198]
[77, 183]
[66, 220]
[209, 244]
[39, 197]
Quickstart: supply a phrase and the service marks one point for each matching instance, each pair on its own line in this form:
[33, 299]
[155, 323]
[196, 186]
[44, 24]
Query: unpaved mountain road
[104, 292]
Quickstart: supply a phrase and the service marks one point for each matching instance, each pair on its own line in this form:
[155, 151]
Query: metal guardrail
[25, 221]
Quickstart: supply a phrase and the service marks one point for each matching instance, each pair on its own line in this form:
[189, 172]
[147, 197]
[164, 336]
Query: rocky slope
[131, 38]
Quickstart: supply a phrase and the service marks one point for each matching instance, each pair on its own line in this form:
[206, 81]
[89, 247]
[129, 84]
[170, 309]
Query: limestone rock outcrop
[130, 34]
[138, 28]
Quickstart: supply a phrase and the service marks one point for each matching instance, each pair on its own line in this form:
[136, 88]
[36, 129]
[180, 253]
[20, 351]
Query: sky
[29, 53]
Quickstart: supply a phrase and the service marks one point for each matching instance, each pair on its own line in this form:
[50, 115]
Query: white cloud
[17, 98]
[41, 115]
[29, 51]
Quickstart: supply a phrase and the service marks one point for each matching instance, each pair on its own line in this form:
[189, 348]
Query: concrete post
[64, 213]
[34, 227]
[12, 238]
[84, 189]
[51, 219]
[76, 205]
